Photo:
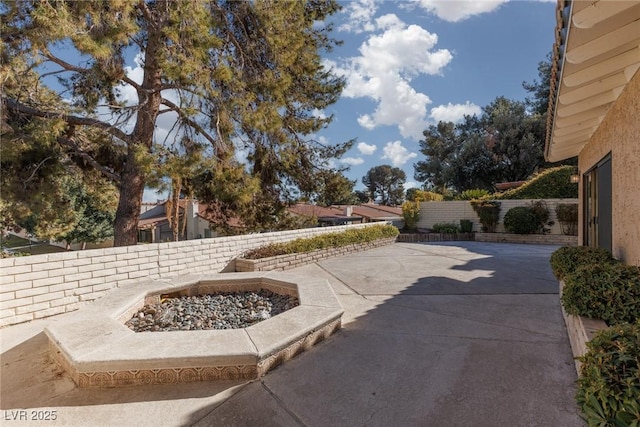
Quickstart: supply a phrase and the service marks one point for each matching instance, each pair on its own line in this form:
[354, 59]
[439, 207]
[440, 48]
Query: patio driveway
[446, 334]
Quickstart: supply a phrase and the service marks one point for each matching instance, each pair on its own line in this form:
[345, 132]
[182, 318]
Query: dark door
[597, 205]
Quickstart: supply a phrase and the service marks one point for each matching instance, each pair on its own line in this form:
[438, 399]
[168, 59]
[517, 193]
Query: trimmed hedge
[528, 219]
[329, 240]
[445, 228]
[568, 258]
[553, 183]
[521, 220]
[610, 292]
[609, 383]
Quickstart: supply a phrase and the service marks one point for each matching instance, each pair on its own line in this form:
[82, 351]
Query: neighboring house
[595, 114]
[349, 214]
[153, 225]
[374, 213]
[326, 216]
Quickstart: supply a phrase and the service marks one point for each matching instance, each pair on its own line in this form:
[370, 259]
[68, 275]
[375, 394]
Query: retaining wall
[540, 239]
[453, 211]
[37, 286]
[287, 261]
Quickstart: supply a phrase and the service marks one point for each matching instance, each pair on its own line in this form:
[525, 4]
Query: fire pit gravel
[225, 310]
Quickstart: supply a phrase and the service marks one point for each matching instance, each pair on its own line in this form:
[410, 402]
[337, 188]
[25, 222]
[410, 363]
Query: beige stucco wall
[619, 134]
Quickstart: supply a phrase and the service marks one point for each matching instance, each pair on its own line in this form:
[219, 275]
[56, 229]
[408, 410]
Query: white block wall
[37, 286]
[452, 212]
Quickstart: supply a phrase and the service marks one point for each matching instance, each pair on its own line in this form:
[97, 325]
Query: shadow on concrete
[455, 334]
[452, 334]
[30, 379]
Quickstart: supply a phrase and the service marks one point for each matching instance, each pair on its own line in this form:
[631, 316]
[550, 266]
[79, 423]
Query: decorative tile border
[304, 344]
[193, 374]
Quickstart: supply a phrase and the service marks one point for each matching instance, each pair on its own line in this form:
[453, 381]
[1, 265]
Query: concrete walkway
[446, 334]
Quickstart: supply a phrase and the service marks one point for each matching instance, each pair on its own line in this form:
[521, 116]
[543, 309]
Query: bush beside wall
[453, 211]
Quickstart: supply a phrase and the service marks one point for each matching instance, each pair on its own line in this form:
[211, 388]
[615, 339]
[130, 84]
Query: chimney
[348, 210]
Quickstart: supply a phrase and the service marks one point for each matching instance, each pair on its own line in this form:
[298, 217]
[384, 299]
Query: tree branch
[186, 119]
[36, 170]
[69, 143]
[63, 64]
[74, 120]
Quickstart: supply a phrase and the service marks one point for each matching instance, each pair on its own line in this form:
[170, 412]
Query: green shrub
[488, 212]
[329, 240]
[567, 214]
[553, 183]
[466, 226]
[411, 215]
[606, 291]
[568, 258]
[528, 219]
[473, 194]
[521, 220]
[445, 228]
[609, 383]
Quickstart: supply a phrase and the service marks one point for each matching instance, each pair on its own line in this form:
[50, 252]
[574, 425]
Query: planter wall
[580, 330]
[434, 237]
[542, 239]
[285, 262]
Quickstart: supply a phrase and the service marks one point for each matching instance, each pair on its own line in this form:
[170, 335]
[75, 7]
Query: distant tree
[515, 139]
[456, 157]
[94, 210]
[362, 196]
[386, 184]
[539, 89]
[334, 189]
[538, 102]
[224, 70]
[505, 143]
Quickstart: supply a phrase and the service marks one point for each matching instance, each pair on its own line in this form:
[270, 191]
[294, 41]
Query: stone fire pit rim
[96, 340]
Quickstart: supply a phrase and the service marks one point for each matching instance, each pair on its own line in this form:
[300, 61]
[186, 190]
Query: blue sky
[409, 64]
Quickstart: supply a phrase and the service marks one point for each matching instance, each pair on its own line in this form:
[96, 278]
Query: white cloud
[383, 72]
[388, 21]
[397, 154]
[459, 10]
[454, 112]
[360, 16]
[318, 114]
[352, 161]
[410, 184]
[366, 149]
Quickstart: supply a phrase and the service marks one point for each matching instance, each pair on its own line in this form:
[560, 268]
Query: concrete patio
[455, 334]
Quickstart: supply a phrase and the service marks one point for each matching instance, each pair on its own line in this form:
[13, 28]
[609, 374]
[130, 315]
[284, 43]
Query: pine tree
[225, 70]
[386, 184]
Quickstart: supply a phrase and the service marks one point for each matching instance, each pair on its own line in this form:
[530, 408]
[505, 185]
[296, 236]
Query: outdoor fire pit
[97, 349]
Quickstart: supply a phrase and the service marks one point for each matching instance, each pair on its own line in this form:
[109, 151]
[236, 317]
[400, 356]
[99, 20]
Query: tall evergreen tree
[539, 89]
[515, 138]
[386, 184]
[225, 70]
